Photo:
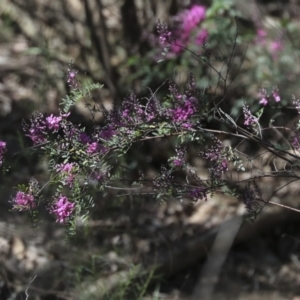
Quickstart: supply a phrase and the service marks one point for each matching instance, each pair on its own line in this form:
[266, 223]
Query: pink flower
[23, 201]
[261, 35]
[263, 95]
[275, 94]
[188, 21]
[177, 162]
[192, 17]
[65, 167]
[63, 208]
[53, 122]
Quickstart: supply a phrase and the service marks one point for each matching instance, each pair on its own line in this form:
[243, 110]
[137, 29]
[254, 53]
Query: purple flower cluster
[153, 108]
[24, 201]
[71, 78]
[53, 122]
[84, 138]
[274, 46]
[179, 160]
[62, 209]
[198, 193]
[164, 33]
[191, 18]
[188, 21]
[37, 129]
[186, 104]
[184, 111]
[2, 151]
[132, 111]
[107, 132]
[250, 120]
[295, 142]
[39, 126]
[93, 148]
[252, 198]
[215, 154]
[265, 97]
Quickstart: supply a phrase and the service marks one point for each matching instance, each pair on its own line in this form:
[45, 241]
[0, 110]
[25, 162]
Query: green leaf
[259, 113]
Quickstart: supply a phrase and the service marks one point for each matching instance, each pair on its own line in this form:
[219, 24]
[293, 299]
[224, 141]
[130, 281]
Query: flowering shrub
[80, 159]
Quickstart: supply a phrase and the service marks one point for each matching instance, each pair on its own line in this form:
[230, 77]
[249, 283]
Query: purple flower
[131, 110]
[71, 79]
[275, 47]
[250, 120]
[198, 193]
[265, 98]
[252, 198]
[188, 20]
[215, 154]
[36, 135]
[37, 129]
[99, 175]
[107, 133]
[263, 95]
[24, 201]
[185, 111]
[186, 125]
[164, 33]
[153, 108]
[2, 151]
[174, 91]
[62, 208]
[2, 147]
[84, 138]
[53, 122]
[261, 35]
[192, 17]
[179, 160]
[296, 141]
[93, 148]
[65, 167]
[224, 165]
[275, 94]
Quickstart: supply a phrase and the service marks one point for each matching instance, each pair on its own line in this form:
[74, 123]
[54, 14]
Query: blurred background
[136, 247]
